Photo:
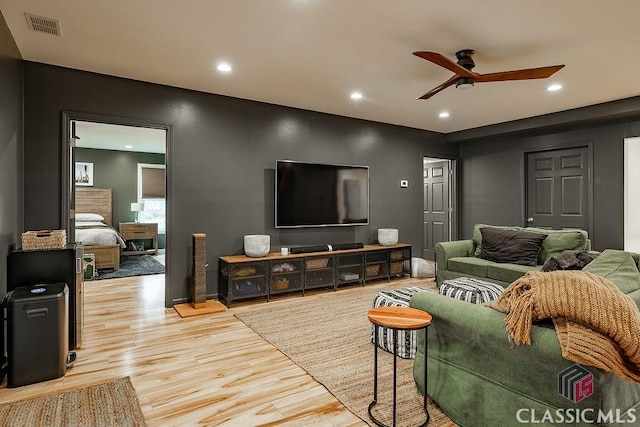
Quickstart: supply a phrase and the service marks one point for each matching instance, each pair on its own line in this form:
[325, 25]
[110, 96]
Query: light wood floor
[204, 370]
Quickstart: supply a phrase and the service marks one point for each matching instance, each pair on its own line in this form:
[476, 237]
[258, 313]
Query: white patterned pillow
[470, 290]
[406, 339]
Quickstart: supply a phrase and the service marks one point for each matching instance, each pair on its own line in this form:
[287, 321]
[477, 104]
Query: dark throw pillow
[511, 246]
[569, 260]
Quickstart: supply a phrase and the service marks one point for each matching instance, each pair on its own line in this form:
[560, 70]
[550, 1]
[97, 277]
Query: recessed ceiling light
[444, 115]
[224, 67]
[356, 95]
[128, 147]
[554, 87]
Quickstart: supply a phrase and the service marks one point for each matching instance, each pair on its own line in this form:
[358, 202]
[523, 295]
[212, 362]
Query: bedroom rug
[138, 265]
[112, 403]
[328, 335]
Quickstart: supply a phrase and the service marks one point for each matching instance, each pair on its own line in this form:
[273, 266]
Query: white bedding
[91, 233]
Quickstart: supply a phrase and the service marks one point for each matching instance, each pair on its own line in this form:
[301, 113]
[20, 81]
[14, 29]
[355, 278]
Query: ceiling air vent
[42, 24]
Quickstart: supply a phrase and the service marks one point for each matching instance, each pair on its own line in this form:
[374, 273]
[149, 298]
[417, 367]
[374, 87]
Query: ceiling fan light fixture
[464, 83]
[464, 77]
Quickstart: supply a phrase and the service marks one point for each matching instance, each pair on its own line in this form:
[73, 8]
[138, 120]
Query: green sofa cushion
[509, 272]
[469, 265]
[477, 235]
[558, 241]
[617, 266]
[635, 296]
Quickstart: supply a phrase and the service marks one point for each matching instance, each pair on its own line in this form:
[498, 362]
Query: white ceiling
[312, 54]
[120, 138]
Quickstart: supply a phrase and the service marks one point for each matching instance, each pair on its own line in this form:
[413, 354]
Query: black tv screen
[312, 194]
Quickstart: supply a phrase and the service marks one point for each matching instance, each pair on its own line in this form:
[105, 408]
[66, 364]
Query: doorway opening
[438, 203]
[123, 165]
[631, 194]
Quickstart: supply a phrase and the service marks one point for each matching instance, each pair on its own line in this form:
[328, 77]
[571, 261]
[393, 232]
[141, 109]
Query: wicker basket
[396, 255]
[280, 284]
[396, 267]
[373, 270]
[44, 239]
[317, 263]
[245, 271]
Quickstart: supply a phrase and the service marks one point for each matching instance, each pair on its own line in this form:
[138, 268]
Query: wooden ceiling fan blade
[445, 62]
[526, 74]
[437, 89]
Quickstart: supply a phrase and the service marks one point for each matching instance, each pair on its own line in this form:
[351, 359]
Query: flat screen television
[318, 195]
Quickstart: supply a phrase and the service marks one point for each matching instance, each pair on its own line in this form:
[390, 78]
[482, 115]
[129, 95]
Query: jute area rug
[329, 336]
[112, 403]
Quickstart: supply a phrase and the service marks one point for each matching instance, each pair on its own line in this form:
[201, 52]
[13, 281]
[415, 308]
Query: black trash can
[37, 333]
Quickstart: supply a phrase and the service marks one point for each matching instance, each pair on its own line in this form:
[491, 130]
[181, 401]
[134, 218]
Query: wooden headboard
[94, 200]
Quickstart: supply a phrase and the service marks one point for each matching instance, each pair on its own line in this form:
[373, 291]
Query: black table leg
[426, 410]
[375, 364]
[395, 376]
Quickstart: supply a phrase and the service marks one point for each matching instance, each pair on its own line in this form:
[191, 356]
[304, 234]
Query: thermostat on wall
[404, 183]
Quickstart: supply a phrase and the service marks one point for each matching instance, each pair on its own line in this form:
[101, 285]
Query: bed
[97, 235]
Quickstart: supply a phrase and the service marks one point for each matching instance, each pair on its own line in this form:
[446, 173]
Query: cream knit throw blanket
[597, 325]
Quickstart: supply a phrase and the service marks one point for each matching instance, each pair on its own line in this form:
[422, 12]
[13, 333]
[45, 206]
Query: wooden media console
[242, 277]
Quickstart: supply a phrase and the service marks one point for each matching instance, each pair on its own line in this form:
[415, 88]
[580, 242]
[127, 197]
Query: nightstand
[140, 231]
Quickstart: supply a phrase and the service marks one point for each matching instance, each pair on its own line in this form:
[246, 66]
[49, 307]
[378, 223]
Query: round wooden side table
[397, 319]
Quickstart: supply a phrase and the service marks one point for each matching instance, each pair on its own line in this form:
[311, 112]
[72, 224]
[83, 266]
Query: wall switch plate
[404, 183]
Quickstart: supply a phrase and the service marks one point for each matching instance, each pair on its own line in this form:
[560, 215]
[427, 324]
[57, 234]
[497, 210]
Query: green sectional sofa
[461, 258]
[479, 378]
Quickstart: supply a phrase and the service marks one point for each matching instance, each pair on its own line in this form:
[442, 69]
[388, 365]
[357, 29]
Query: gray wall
[222, 152]
[492, 184]
[11, 103]
[220, 162]
[118, 170]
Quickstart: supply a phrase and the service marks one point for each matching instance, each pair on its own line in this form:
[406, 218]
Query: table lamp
[137, 207]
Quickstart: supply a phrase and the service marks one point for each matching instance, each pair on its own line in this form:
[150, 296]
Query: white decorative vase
[387, 236]
[257, 245]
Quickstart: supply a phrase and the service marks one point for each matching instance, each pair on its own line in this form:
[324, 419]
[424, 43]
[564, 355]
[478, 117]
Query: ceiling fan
[465, 78]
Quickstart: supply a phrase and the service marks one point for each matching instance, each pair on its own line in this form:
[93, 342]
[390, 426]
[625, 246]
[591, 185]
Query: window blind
[153, 183]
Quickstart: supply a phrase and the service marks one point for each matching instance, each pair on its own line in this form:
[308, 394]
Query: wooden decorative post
[199, 296]
[198, 283]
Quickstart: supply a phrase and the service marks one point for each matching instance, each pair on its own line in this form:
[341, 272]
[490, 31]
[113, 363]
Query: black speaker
[307, 249]
[343, 246]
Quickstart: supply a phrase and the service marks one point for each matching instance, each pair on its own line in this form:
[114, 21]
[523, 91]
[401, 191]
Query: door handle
[529, 220]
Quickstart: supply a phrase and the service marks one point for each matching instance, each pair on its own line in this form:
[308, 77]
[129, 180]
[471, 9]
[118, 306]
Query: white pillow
[81, 217]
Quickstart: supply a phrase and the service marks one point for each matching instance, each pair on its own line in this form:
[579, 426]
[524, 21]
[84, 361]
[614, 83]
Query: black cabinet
[240, 281]
[286, 276]
[376, 265]
[319, 272]
[349, 268]
[399, 261]
[32, 267]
